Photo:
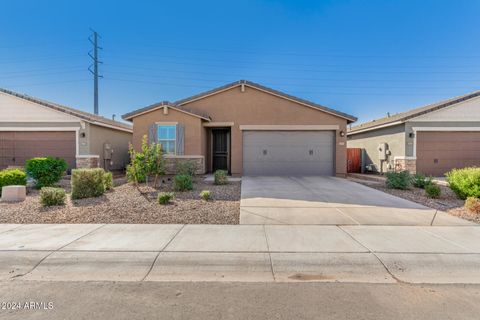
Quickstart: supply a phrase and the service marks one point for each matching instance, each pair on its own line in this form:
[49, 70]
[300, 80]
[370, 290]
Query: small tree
[148, 162]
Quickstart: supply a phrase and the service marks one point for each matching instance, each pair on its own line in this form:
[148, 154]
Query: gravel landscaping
[447, 202]
[133, 204]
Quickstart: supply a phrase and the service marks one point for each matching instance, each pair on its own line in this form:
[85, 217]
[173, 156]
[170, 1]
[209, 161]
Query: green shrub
[220, 177]
[135, 170]
[108, 180]
[52, 196]
[12, 177]
[420, 181]
[46, 171]
[205, 195]
[87, 183]
[182, 182]
[433, 191]
[149, 161]
[165, 197]
[465, 182]
[472, 205]
[186, 167]
[398, 180]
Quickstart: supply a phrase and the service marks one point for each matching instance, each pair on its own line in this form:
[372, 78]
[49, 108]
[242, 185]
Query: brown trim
[218, 124]
[294, 127]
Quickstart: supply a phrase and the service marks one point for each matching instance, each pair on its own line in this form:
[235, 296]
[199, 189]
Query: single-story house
[246, 128]
[432, 139]
[32, 127]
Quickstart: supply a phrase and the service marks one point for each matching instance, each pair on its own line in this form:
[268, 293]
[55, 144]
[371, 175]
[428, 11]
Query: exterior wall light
[342, 133]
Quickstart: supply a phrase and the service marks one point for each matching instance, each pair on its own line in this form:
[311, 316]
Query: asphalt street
[214, 300]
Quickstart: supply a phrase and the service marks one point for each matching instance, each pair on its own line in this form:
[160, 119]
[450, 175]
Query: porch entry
[220, 139]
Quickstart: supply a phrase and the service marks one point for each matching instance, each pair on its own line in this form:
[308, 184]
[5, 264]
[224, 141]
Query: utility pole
[94, 41]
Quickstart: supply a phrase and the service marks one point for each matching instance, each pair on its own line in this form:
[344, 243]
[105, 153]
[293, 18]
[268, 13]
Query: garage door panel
[288, 152]
[441, 151]
[18, 146]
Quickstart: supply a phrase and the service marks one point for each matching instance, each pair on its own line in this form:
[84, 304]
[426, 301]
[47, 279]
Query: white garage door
[288, 152]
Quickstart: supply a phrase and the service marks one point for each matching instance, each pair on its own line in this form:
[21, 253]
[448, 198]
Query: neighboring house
[431, 140]
[246, 128]
[31, 127]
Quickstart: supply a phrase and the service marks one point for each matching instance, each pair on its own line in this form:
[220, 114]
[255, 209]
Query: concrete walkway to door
[330, 201]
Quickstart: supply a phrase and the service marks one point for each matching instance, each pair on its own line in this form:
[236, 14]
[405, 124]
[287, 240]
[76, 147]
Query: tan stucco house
[246, 128]
[432, 139]
[32, 127]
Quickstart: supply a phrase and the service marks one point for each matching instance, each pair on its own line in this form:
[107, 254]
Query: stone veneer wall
[172, 161]
[88, 161]
[406, 164]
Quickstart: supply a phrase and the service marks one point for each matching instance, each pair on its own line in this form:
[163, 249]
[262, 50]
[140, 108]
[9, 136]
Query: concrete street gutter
[247, 253]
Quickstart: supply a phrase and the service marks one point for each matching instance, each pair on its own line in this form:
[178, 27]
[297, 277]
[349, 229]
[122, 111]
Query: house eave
[385, 125]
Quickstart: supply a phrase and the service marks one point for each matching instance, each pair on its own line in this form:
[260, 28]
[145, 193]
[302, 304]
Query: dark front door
[220, 149]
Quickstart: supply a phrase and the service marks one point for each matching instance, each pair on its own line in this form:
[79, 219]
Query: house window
[167, 137]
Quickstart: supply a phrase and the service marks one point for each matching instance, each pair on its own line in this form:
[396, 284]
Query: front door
[220, 149]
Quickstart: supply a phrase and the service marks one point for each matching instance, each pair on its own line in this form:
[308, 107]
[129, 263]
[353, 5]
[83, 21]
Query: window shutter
[180, 140]
[152, 133]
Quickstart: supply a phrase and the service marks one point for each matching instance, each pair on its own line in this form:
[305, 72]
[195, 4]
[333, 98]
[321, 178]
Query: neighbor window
[167, 137]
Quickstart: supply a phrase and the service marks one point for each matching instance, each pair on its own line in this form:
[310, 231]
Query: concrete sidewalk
[249, 253]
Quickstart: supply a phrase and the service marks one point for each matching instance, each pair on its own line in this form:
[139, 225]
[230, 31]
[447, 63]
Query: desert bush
[165, 197]
[472, 205]
[182, 182]
[465, 182]
[12, 177]
[108, 180]
[52, 196]
[220, 177]
[398, 180]
[46, 171]
[420, 181]
[205, 195]
[186, 167]
[88, 183]
[146, 163]
[433, 191]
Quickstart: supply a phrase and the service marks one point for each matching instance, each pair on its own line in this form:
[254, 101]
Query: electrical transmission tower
[94, 55]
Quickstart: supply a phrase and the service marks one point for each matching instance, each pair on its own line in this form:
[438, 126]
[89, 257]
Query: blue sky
[365, 58]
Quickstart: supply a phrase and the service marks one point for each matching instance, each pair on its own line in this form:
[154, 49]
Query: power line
[280, 68]
[43, 58]
[41, 70]
[40, 74]
[276, 63]
[240, 76]
[45, 83]
[287, 84]
[200, 87]
[310, 54]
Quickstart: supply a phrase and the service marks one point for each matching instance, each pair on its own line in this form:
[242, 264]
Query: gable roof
[130, 115]
[180, 103]
[407, 115]
[88, 117]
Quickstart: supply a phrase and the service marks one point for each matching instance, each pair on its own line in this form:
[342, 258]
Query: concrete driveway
[330, 201]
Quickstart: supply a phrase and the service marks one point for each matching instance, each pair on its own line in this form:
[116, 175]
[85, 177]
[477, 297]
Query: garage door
[288, 152]
[18, 146]
[439, 152]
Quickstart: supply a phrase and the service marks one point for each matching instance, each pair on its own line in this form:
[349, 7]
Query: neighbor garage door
[440, 151]
[18, 146]
[288, 152]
